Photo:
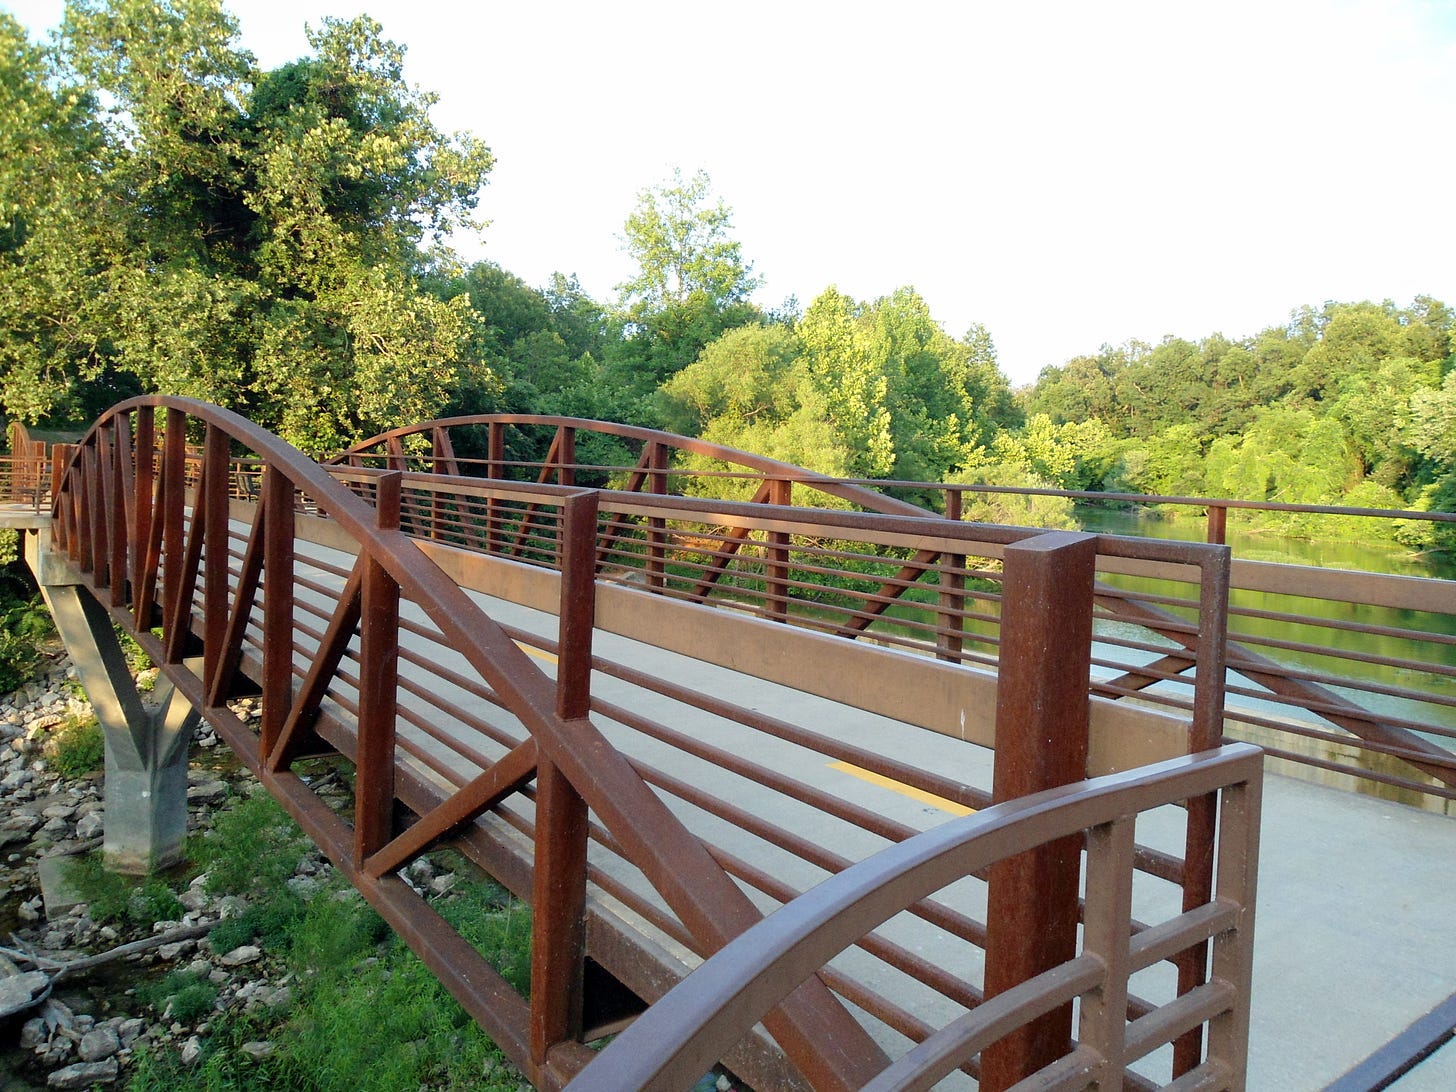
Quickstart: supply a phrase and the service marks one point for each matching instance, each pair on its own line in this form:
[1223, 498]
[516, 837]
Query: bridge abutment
[146, 743]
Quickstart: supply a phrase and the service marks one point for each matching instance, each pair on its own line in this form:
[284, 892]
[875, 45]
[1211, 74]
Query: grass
[366, 1014]
[77, 748]
[112, 898]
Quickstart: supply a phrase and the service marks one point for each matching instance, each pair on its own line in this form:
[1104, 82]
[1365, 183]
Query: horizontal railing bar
[1160, 1027]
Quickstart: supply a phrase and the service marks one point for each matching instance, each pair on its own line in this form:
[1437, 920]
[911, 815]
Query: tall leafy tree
[58, 235]
[692, 281]
[267, 231]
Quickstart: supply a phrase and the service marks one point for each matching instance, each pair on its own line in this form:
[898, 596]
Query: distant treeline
[1352, 404]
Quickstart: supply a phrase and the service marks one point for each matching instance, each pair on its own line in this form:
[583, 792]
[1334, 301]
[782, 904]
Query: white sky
[1068, 174]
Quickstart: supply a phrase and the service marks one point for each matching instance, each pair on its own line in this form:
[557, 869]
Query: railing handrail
[870, 487]
[705, 1014]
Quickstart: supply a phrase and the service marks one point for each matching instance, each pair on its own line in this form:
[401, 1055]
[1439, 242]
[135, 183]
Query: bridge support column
[146, 746]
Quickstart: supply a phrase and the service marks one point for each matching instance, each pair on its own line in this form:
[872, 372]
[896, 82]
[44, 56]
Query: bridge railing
[1343, 676]
[648, 817]
[363, 649]
[24, 479]
[701, 1019]
[492, 535]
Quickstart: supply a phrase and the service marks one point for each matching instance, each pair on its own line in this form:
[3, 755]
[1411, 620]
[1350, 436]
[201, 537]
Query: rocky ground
[91, 1026]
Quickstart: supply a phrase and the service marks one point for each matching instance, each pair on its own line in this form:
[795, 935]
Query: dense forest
[173, 218]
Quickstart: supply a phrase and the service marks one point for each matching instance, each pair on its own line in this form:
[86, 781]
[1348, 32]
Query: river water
[1424, 644]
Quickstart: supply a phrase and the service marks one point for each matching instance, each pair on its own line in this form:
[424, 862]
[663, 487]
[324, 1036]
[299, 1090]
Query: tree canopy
[254, 238]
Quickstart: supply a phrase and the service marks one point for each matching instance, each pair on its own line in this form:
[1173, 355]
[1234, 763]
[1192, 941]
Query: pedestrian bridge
[872, 798]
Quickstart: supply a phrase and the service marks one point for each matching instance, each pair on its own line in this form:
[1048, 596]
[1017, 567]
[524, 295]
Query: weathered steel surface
[1041, 743]
[372, 648]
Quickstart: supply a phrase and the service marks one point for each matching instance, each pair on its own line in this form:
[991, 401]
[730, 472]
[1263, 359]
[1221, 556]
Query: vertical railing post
[1041, 742]
[656, 526]
[104, 498]
[174, 501]
[495, 459]
[558, 947]
[213, 495]
[1202, 811]
[60, 456]
[439, 464]
[144, 481]
[93, 540]
[1102, 1023]
[378, 686]
[950, 642]
[566, 456]
[1217, 524]
[276, 508]
[1233, 950]
[776, 550]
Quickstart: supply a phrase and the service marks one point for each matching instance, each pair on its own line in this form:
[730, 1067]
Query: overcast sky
[1067, 174]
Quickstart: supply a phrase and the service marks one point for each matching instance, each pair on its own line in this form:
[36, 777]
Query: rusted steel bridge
[658, 717]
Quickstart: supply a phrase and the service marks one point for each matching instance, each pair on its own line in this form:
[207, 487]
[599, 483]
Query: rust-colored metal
[1041, 743]
[713, 1007]
[214, 522]
[776, 552]
[277, 513]
[378, 686]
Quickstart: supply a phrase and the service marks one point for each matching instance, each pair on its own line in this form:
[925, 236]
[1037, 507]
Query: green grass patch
[182, 995]
[253, 847]
[112, 898]
[77, 748]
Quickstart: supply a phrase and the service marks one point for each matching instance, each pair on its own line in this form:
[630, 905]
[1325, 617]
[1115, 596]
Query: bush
[77, 748]
[254, 846]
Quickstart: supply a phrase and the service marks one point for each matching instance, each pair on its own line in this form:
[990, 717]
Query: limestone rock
[84, 1075]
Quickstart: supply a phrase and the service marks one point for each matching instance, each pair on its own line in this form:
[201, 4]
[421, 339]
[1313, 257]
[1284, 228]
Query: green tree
[692, 281]
[264, 234]
[57, 235]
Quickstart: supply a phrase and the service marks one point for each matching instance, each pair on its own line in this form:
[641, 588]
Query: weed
[254, 846]
[181, 995]
[269, 922]
[113, 898]
[77, 748]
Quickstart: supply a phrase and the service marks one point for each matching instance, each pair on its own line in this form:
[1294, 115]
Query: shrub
[77, 748]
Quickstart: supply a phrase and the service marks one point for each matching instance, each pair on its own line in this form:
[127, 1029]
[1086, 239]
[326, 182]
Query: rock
[33, 1034]
[84, 1074]
[17, 991]
[191, 1050]
[98, 1045]
[305, 887]
[169, 952]
[231, 906]
[193, 899]
[129, 1029]
[258, 1049]
[210, 792]
[441, 884]
[90, 825]
[248, 953]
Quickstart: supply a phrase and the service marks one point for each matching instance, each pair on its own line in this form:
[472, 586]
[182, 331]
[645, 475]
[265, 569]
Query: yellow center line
[903, 789]
[547, 657]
